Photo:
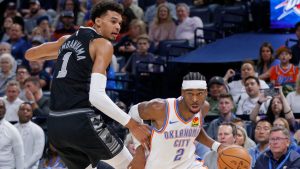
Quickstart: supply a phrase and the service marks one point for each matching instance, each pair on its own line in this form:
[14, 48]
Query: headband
[194, 84]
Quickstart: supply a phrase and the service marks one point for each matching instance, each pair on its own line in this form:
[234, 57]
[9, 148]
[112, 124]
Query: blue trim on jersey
[166, 119]
[179, 113]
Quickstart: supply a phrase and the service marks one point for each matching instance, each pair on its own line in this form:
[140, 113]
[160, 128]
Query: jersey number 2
[63, 71]
[179, 154]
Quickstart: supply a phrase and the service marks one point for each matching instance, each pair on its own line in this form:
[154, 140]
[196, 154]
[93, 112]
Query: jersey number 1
[63, 71]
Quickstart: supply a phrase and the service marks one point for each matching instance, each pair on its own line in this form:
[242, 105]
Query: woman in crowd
[7, 72]
[163, 27]
[293, 98]
[242, 138]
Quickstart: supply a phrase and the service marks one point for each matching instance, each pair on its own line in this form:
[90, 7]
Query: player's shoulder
[155, 104]
[103, 42]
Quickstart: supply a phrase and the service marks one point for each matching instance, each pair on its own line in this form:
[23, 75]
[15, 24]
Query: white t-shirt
[238, 91]
[294, 100]
[11, 146]
[247, 105]
[34, 139]
[12, 109]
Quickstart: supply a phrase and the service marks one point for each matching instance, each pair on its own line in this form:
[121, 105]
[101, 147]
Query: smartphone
[271, 92]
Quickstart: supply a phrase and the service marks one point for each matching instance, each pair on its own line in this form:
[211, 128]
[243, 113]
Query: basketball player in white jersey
[176, 124]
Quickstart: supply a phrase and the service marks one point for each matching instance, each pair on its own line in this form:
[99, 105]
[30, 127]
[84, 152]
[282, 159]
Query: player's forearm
[101, 101]
[205, 139]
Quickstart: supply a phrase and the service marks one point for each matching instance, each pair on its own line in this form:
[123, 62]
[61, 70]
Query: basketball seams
[230, 155]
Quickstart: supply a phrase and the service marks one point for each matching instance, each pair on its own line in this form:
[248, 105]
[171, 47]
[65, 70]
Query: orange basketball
[234, 157]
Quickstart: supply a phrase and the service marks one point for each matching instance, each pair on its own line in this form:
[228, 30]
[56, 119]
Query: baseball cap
[67, 14]
[34, 2]
[37, 39]
[216, 80]
[11, 5]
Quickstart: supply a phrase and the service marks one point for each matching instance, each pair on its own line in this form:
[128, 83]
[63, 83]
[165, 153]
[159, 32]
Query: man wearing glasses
[279, 155]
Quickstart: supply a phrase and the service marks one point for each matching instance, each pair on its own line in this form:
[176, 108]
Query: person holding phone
[278, 107]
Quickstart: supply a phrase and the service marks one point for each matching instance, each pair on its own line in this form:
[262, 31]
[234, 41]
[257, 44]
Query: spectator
[6, 71]
[162, 27]
[32, 136]
[152, 10]
[4, 32]
[39, 102]
[19, 44]
[5, 48]
[127, 45]
[261, 135]
[22, 75]
[226, 135]
[278, 107]
[187, 25]
[296, 48]
[225, 106]
[266, 59]
[242, 138]
[216, 86]
[237, 88]
[68, 28]
[279, 155]
[246, 106]
[127, 17]
[11, 144]
[35, 12]
[72, 6]
[138, 12]
[293, 98]
[45, 27]
[134, 64]
[12, 101]
[11, 10]
[129, 143]
[36, 69]
[285, 73]
[52, 160]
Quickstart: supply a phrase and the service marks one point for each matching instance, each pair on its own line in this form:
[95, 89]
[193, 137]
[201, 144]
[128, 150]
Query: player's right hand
[141, 132]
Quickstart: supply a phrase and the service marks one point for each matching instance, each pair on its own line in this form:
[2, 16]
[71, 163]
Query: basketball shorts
[81, 137]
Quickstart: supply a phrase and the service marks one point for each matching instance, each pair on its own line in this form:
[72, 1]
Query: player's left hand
[141, 132]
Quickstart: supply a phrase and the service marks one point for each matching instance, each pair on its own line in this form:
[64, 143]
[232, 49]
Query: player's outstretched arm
[139, 159]
[101, 51]
[45, 51]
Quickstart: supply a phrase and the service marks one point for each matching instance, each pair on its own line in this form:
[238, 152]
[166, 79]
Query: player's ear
[98, 21]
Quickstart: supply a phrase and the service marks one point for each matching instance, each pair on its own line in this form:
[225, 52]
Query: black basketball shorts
[81, 138]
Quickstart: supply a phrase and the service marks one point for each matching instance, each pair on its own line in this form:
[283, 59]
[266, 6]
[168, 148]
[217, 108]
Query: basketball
[234, 157]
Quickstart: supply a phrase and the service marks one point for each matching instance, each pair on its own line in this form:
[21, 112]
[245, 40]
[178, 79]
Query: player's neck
[184, 111]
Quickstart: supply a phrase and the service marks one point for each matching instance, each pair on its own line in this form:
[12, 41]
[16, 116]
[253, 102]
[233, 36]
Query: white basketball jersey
[173, 145]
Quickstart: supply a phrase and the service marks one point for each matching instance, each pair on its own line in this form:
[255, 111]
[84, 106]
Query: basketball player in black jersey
[75, 125]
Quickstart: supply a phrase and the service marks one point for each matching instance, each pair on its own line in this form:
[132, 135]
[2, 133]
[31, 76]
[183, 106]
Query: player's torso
[72, 73]
[173, 145]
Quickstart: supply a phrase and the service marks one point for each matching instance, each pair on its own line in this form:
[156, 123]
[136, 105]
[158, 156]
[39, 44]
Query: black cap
[11, 5]
[67, 14]
[37, 39]
[34, 2]
[216, 80]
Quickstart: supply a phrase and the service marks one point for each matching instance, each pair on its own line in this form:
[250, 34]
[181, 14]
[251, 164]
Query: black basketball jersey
[72, 74]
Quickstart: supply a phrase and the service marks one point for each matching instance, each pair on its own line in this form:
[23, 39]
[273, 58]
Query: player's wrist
[215, 146]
